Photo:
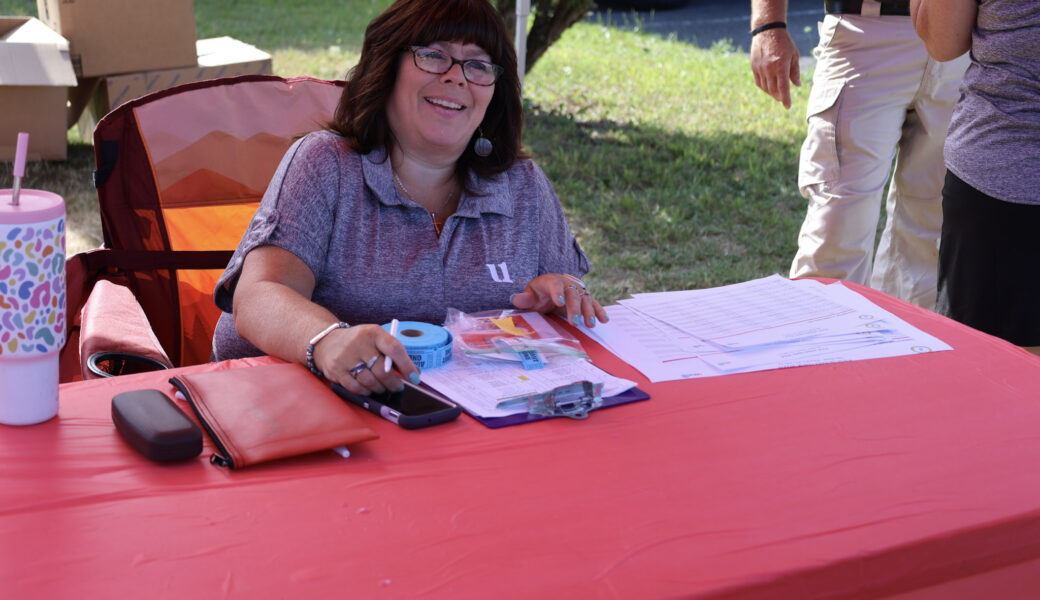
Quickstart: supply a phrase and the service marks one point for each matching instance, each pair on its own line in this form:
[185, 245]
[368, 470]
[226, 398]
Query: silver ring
[358, 368]
[575, 280]
[578, 290]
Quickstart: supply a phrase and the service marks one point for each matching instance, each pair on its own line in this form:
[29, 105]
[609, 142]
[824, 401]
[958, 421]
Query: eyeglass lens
[475, 71]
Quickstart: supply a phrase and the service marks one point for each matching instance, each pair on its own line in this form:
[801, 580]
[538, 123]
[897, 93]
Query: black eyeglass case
[154, 426]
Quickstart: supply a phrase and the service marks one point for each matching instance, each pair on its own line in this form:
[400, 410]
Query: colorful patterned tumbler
[32, 302]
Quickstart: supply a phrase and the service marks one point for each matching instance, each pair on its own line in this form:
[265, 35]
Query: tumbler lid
[33, 206]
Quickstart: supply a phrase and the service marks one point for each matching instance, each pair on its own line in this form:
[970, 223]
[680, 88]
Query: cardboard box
[123, 36]
[217, 57]
[35, 74]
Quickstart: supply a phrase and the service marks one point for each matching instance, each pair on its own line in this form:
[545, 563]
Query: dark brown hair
[361, 114]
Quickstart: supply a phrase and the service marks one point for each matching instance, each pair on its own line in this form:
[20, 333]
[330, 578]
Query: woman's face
[435, 115]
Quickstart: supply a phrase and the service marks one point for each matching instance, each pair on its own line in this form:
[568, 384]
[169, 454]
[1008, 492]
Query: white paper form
[862, 330]
[884, 335]
[909, 338]
[659, 351]
[761, 311]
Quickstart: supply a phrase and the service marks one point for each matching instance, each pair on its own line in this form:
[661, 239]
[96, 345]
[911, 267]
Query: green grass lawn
[674, 170]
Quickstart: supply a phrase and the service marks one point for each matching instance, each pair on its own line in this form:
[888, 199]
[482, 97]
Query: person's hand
[774, 62]
[563, 294]
[354, 357]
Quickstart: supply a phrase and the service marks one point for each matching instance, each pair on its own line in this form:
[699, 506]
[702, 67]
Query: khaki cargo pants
[876, 97]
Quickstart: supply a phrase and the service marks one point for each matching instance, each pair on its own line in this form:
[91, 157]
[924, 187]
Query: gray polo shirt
[375, 254]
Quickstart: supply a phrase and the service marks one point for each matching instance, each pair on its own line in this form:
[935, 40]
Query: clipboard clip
[573, 400]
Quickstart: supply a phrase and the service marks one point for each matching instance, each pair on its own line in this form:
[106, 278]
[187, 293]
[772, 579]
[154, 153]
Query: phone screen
[412, 401]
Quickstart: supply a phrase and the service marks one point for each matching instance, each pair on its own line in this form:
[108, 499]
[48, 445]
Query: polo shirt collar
[491, 195]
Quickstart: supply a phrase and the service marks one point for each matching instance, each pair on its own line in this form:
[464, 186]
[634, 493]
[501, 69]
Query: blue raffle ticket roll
[428, 345]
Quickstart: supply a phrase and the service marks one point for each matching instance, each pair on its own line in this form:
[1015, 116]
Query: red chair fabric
[179, 174]
[113, 322]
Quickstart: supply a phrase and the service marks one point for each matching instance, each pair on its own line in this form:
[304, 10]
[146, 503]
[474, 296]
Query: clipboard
[626, 397]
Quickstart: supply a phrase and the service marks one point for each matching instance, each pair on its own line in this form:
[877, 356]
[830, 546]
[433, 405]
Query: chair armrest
[113, 322]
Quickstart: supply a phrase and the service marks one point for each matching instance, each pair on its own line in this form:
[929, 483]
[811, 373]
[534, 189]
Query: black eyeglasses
[477, 72]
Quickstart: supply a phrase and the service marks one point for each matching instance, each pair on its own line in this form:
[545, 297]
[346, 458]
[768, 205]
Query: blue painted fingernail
[414, 377]
[577, 319]
[511, 298]
[592, 320]
[561, 299]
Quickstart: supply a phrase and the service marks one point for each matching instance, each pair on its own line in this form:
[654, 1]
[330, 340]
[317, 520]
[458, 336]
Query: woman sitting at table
[418, 199]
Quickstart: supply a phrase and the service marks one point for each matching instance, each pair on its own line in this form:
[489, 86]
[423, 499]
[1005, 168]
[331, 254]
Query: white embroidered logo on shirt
[502, 277]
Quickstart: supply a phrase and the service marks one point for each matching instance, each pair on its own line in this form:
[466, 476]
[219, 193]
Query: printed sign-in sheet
[752, 313]
[766, 323]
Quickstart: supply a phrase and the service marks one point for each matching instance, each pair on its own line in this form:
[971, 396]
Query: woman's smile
[447, 104]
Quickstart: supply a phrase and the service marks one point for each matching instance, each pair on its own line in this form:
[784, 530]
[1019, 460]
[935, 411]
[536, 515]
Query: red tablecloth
[848, 480]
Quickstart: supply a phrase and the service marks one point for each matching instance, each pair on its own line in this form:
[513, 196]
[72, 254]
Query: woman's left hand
[563, 294]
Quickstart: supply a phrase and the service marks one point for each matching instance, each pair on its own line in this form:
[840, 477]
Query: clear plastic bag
[511, 335]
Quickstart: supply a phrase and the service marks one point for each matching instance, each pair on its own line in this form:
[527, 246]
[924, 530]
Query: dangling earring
[483, 145]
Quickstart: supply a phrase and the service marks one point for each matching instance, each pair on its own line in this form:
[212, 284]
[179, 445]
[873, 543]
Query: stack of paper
[766, 323]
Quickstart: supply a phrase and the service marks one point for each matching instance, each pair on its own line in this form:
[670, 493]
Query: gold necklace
[437, 226]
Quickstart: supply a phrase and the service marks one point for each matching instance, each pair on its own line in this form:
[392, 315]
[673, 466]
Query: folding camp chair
[179, 174]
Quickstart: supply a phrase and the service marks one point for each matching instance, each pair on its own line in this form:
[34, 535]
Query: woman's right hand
[355, 357]
[273, 311]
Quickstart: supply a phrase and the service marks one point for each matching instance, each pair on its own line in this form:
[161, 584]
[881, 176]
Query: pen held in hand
[388, 362]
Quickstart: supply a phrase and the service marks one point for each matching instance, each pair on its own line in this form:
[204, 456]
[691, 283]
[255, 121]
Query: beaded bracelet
[314, 341]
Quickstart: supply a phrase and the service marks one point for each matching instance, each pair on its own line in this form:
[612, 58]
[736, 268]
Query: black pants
[989, 263]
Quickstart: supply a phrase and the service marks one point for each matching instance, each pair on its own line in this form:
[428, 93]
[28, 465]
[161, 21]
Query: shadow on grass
[660, 210]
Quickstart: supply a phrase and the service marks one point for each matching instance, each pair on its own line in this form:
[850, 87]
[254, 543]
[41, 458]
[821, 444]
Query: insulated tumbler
[32, 304]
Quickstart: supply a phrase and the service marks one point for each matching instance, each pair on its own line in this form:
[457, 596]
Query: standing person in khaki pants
[876, 96]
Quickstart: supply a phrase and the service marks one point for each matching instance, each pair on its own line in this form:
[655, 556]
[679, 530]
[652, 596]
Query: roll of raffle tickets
[428, 345]
[32, 302]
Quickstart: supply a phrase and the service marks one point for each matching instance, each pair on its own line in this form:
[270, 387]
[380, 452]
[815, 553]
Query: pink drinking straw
[19, 165]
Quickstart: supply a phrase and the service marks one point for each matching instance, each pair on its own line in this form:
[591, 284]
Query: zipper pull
[219, 460]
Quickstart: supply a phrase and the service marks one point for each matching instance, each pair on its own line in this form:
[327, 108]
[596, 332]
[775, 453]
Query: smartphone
[413, 407]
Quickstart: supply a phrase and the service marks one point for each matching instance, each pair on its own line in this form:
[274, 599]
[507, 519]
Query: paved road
[703, 22]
